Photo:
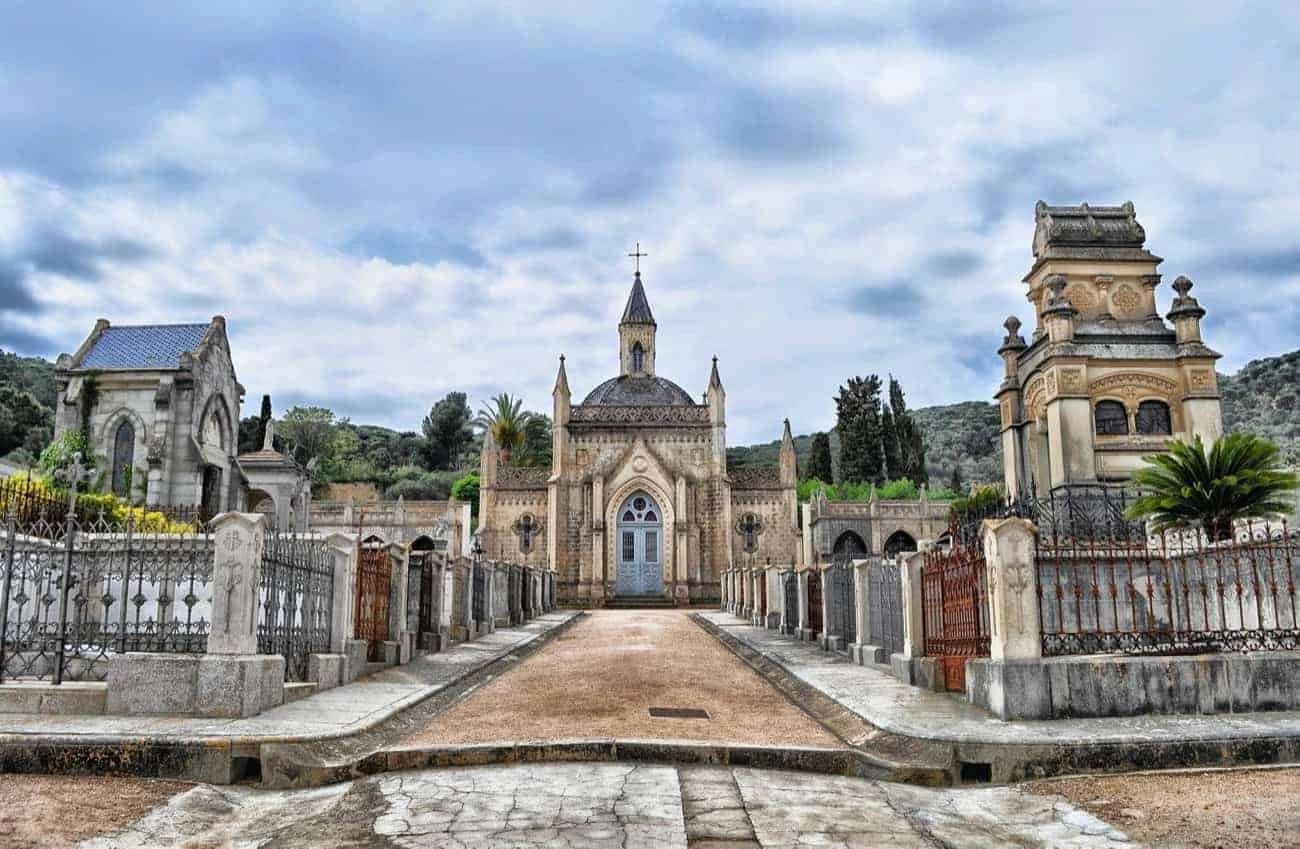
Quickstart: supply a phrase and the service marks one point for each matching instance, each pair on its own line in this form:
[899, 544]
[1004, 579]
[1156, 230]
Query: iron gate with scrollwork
[790, 589]
[479, 600]
[841, 599]
[885, 615]
[373, 589]
[815, 602]
[295, 603]
[954, 599]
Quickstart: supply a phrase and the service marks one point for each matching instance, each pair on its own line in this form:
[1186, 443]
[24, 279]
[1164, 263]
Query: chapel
[639, 503]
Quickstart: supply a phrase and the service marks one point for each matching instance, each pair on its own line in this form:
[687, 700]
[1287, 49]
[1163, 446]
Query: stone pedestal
[327, 670]
[226, 686]
[355, 652]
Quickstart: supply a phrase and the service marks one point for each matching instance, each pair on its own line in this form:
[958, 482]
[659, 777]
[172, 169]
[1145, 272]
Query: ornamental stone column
[1014, 626]
[347, 656]
[400, 643]
[239, 539]
[911, 665]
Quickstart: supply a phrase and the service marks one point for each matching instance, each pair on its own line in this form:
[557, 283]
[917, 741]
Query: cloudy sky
[392, 200]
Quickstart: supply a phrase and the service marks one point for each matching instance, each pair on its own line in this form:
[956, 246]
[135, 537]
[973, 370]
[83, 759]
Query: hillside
[1264, 398]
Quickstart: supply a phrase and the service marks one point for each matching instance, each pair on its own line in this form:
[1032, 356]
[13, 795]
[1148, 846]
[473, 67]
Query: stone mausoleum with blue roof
[160, 404]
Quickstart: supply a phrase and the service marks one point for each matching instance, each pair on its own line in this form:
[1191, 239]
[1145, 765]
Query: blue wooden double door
[639, 547]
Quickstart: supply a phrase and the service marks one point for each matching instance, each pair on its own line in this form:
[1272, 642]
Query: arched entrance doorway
[849, 545]
[899, 541]
[639, 546]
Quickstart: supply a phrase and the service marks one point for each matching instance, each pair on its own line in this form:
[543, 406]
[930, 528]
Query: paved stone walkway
[600, 678]
[890, 705]
[613, 805]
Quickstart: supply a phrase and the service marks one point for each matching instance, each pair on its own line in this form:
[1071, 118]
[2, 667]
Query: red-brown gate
[373, 577]
[954, 598]
[815, 602]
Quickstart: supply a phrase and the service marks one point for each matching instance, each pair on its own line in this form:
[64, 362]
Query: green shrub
[466, 489]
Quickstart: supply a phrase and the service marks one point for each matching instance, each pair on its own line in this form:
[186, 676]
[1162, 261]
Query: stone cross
[239, 539]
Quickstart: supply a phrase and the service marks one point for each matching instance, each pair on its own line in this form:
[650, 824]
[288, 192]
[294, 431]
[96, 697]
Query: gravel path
[57, 811]
[601, 677]
[1216, 809]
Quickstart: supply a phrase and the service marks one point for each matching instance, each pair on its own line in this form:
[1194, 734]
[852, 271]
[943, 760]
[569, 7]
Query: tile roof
[144, 346]
[637, 310]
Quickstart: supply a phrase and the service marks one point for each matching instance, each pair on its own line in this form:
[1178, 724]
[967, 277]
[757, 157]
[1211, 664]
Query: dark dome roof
[638, 391]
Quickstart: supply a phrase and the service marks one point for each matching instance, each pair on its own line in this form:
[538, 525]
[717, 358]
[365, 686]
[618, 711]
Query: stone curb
[216, 758]
[1001, 762]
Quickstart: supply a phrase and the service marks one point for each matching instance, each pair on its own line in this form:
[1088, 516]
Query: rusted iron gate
[954, 599]
[1177, 593]
[885, 618]
[371, 611]
[815, 601]
[842, 599]
[426, 563]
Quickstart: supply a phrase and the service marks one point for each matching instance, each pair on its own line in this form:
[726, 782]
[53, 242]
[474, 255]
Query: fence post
[911, 665]
[398, 562]
[11, 544]
[1014, 625]
[862, 651]
[350, 652]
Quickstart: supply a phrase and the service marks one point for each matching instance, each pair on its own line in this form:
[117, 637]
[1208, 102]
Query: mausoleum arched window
[1153, 418]
[638, 358]
[1110, 418]
[123, 458]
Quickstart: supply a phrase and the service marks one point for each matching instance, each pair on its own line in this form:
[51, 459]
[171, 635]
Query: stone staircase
[639, 602]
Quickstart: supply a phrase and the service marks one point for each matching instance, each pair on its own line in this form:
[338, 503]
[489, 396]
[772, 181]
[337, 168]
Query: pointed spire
[787, 437]
[637, 310]
[561, 380]
[714, 379]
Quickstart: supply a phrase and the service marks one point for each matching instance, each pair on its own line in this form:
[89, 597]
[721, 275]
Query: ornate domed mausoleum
[639, 501]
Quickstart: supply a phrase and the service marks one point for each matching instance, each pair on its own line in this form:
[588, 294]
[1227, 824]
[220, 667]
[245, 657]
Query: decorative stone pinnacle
[1056, 283]
[1012, 324]
[1182, 286]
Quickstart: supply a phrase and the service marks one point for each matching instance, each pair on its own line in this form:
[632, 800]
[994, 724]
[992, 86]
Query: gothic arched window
[638, 358]
[123, 458]
[1153, 418]
[1111, 418]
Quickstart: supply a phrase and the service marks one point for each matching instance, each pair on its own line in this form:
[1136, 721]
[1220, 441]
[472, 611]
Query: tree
[911, 442]
[857, 419]
[466, 489]
[250, 434]
[447, 430]
[889, 447]
[819, 458]
[956, 484]
[24, 422]
[311, 431]
[536, 450]
[505, 418]
[1239, 477]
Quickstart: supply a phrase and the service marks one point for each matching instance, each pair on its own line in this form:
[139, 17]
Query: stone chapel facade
[1103, 380]
[638, 501]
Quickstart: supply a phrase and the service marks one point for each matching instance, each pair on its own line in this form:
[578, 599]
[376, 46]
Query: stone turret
[636, 334]
[789, 465]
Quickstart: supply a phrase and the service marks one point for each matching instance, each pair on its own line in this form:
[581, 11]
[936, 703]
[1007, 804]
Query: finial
[1182, 286]
[561, 359]
[1012, 324]
[636, 256]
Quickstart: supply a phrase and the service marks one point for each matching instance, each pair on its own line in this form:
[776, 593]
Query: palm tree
[507, 420]
[1240, 477]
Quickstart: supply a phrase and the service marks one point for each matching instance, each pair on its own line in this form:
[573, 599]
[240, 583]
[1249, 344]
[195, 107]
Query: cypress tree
[857, 415]
[819, 458]
[890, 447]
[956, 484]
[911, 444]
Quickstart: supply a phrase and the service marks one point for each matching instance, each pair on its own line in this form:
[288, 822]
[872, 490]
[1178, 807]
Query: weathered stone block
[238, 685]
[326, 670]
[150, 684]
[406, 647]
[390, 651]
[355, 665]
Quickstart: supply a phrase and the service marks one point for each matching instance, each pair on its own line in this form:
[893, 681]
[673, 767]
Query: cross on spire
[636, 255]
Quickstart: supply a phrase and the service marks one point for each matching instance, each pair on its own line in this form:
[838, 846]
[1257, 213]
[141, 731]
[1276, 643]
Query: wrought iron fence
[76, 589]
[1177, 593]
[841, 599]
[372, 594]
[885, 605]
[815, 602]
[1091, 513]
[479, 600]
[296, 599]
[790, 593]
[954, 602]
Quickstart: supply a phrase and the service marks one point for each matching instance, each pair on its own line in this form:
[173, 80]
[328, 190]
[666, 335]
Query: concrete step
[636, 602]
[295, 690]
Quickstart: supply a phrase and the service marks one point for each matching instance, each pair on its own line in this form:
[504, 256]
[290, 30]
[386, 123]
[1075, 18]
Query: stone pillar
[401, 639]
[804, 632]
[1014, 626]
[824, 638]
[1013, 682]
[238, 541]
[321, 668]
[862, 651]
[911, 665]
